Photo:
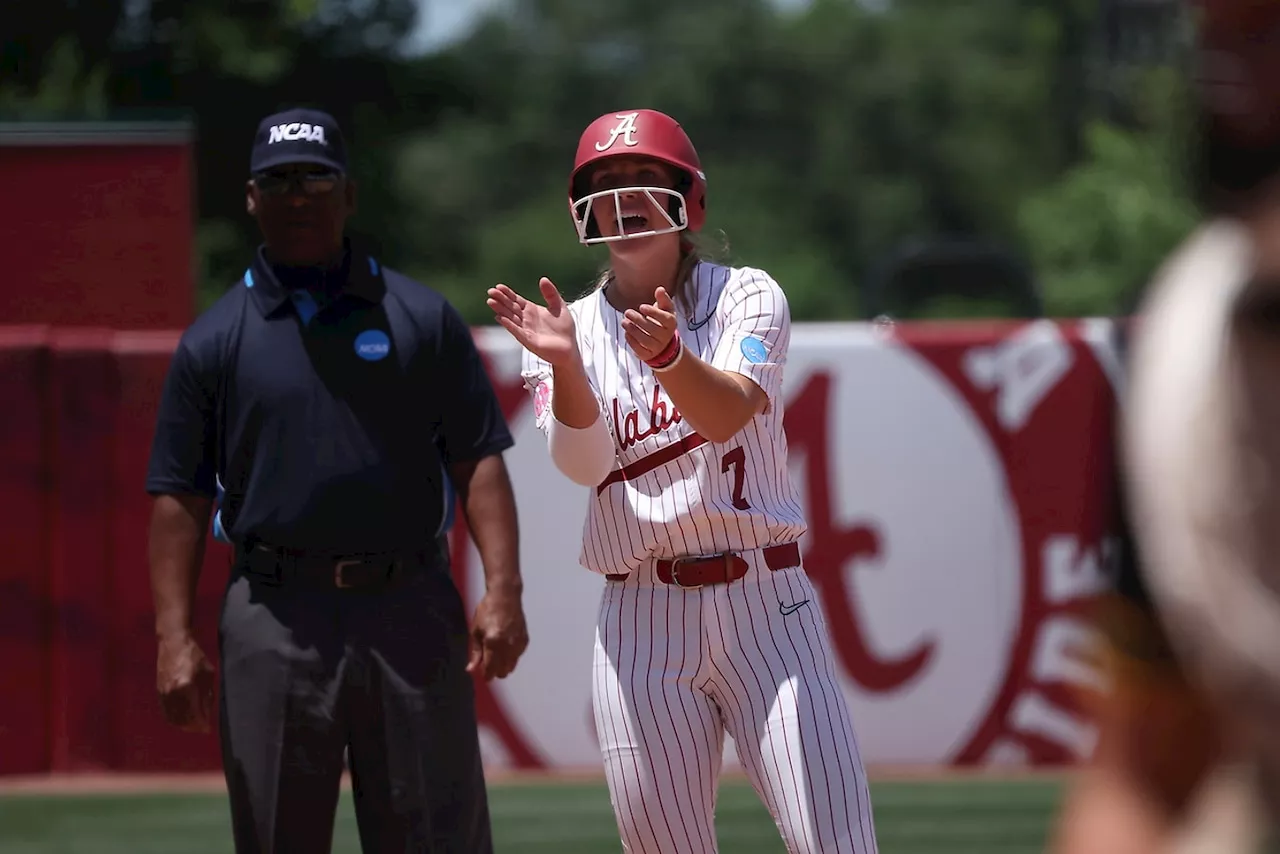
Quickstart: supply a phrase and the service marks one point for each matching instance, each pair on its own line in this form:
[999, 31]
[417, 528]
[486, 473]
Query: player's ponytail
[682, 291]
[692, 253]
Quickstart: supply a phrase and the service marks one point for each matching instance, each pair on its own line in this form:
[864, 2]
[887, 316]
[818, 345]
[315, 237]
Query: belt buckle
[675, 568]
[338, 580]
[675, 572]
[393, 569]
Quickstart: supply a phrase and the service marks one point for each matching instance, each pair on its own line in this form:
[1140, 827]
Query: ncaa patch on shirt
[372, 345]
[754, 351]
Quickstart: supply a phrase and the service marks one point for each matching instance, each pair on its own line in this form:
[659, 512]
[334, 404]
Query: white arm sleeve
[584, 455]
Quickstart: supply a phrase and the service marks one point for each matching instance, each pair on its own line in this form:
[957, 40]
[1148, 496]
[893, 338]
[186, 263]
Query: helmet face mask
[589, 232]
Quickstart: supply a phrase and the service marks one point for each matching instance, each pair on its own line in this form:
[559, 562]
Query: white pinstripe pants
[675, 669]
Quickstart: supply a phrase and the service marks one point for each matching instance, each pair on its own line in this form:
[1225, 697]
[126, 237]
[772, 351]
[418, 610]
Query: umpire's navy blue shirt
[338, 422]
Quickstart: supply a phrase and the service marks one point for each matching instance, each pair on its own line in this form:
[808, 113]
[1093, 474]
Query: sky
[443, 21]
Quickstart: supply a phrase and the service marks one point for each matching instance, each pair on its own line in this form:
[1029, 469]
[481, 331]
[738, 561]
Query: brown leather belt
[275, 566]
[718, 569]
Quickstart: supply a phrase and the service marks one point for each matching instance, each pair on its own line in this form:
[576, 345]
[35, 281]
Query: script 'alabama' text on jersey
[672, 492]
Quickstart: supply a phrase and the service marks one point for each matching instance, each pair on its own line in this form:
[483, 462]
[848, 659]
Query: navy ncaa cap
[298, 136]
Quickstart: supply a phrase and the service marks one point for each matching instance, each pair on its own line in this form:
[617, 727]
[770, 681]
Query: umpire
[338, 403]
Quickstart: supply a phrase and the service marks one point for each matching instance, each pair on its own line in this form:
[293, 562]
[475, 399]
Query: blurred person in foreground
[1188, 757]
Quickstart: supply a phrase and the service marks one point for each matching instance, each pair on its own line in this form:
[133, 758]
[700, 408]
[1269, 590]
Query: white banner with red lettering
[955, 478]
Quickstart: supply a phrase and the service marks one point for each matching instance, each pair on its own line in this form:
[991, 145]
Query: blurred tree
[225, 66]
[963, 278]
[33, 31]
[829, 136]
[65, 85]
[1097, 234]
[832, 135]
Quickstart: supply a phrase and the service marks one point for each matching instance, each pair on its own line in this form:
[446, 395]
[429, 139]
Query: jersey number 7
[737, 460]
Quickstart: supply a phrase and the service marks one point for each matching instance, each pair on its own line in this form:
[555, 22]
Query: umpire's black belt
[278, 565]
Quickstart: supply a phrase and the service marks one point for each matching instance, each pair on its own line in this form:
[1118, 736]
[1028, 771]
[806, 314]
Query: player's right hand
[547, 332]
[185, 681]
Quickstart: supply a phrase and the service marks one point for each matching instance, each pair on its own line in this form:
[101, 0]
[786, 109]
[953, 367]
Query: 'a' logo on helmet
[294, 131]
[625, 128]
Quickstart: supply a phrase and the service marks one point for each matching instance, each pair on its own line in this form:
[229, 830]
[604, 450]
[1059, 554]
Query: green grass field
[960, 815]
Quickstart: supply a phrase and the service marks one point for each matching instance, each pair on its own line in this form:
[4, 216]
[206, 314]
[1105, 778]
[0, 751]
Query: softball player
[661, 390]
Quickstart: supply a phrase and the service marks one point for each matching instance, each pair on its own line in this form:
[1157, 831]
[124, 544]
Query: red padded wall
[142, 739]
[83, 400]
[106, 228]
[77, 645]
[25, 497]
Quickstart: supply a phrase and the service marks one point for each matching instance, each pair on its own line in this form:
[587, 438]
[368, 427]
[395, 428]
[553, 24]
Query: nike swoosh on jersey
[694, 327]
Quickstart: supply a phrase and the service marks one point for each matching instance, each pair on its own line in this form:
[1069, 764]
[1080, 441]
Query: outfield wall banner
[956, 482]
[956, 478]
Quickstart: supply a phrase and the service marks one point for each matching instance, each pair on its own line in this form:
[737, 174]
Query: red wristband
[668, 353]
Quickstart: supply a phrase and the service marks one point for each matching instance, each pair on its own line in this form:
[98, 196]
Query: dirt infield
[947, 773]
[99, 783]
[212, 782]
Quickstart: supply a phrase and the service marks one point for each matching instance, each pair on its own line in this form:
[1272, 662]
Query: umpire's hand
[498, 635]
[184, 681]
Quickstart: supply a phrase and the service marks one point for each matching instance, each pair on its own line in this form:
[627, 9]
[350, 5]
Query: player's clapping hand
[546, 331]
[650, 328]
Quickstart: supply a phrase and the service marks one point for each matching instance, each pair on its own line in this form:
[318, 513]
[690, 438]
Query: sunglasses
[308, 183]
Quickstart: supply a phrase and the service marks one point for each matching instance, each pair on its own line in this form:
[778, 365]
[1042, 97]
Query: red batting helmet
[1239, 73]
[643, 133]
[1236, 145]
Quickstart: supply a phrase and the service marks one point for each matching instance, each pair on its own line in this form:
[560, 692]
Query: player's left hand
[499, 635]
[650, 328]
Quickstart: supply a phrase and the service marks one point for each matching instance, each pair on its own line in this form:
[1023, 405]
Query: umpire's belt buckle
[389, 569]
[339, 577]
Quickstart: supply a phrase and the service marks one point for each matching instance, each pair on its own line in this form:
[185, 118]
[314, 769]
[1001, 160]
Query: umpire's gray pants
[308, 672]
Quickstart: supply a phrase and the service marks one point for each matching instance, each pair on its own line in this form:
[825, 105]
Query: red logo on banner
[1042, 392]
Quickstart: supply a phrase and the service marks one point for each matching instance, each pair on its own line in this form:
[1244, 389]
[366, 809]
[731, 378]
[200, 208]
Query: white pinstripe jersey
[673, 493]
